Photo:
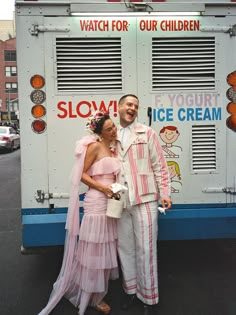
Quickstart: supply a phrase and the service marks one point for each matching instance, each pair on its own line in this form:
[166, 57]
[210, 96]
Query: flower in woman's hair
[93, 120]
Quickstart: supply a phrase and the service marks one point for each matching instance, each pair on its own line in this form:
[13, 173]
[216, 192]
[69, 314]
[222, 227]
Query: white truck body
[176, 56]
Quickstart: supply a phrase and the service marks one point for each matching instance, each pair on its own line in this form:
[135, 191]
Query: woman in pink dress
[90, 253]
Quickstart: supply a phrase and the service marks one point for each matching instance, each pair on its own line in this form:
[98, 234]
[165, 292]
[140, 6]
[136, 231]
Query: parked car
[9, 138]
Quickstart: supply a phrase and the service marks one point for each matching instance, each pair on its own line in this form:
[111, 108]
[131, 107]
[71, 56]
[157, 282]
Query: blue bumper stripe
[177, 224]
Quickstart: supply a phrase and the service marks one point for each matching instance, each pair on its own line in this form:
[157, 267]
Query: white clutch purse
[115, 207]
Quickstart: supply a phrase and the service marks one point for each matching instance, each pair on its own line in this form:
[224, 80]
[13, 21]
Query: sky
[6, 9]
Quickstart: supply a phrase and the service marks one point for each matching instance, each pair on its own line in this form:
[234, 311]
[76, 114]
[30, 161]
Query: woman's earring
[100, 138]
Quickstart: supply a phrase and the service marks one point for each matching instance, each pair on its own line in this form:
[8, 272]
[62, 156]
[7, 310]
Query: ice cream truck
[178, 57]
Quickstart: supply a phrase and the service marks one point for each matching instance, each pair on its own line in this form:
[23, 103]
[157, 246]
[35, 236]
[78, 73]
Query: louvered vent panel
[88, 64]
[204, 148]
[183, 63]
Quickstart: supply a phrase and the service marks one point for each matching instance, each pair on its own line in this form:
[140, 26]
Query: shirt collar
[128, 127]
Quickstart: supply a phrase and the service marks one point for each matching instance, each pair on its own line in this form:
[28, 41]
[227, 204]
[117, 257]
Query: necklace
[112, 146]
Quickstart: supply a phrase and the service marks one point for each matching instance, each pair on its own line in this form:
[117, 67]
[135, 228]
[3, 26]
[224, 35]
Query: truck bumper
[39, 230]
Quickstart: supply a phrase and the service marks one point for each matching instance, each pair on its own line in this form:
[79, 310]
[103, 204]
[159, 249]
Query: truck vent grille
[204, 148]
[183, 63]
[88, 64]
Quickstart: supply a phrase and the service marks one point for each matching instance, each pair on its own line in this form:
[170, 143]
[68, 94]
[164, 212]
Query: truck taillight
[38, 111]
[38, 96]
[39, 125]
[231, 122]
[231, 107]
[37, 81]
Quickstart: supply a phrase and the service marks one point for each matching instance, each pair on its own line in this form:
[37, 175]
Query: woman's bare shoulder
[93, 147]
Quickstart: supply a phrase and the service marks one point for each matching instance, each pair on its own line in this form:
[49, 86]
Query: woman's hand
[107, 191]
[166, 203]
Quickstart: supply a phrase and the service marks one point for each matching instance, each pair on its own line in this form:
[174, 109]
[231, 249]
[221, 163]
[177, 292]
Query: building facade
[7, 29]
[8, 81]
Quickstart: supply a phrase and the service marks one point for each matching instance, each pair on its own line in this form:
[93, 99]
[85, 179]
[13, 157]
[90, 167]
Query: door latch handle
[149, 113]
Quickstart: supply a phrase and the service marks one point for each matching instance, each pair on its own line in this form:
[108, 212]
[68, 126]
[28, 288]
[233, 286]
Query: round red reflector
[38, 111]
[39, 126]
[37, 81]
[231, 122]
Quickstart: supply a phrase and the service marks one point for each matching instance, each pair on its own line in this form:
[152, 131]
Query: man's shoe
[147, 309]
[130, 300]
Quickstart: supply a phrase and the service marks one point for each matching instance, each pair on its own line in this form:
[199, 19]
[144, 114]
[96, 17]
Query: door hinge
[230, 191]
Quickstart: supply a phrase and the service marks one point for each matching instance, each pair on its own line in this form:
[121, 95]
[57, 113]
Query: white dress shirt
[124, 134]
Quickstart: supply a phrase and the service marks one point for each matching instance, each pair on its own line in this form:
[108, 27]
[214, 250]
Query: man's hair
[121, 100]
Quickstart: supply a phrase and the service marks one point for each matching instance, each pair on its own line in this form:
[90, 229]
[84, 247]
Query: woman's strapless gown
[96, 258]
[91, 260]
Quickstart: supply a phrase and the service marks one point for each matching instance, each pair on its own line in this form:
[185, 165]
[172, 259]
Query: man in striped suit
[145, 173]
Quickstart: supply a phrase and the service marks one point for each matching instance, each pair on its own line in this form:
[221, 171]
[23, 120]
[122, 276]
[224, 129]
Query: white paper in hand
[162, 210]
[116, 187]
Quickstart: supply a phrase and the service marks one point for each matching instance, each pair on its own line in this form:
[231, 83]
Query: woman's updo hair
[96, 121]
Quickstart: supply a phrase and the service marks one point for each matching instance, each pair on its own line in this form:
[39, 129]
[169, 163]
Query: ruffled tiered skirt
[96, 258]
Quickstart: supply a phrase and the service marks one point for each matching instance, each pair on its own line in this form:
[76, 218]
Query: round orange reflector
[231, 78]
[37, 81]
[231, 108]
[39, 126]
[231, 122]
[38, 111]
